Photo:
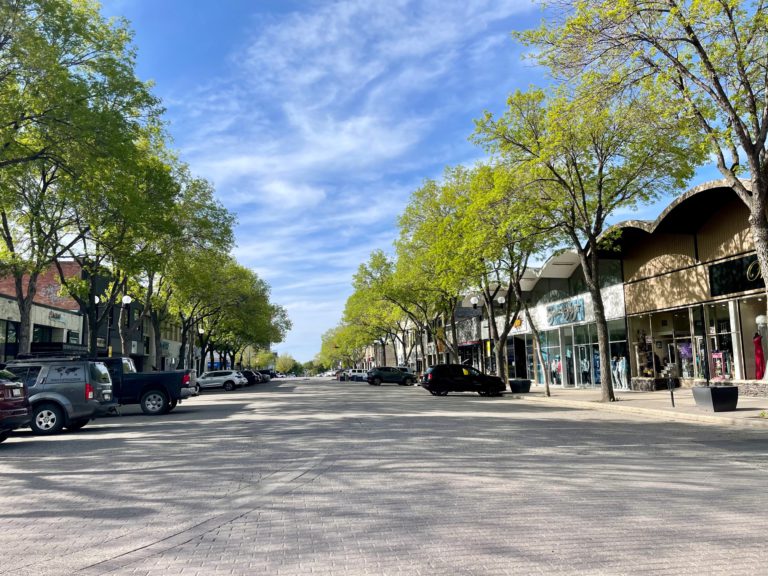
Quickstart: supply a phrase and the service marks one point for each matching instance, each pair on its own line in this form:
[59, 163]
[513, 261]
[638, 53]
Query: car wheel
[4, 436]
[377, 381]
[154, 402]
[408, 382]
[442, 392]
[172, 404]
[229, 386]
[77, 423]
[197, 389]
[47, 419]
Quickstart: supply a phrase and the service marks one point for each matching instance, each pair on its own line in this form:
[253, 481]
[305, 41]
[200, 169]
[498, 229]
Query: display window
[720, 341]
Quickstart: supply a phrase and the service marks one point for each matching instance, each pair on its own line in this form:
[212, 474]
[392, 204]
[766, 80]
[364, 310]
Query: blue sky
[315, 120]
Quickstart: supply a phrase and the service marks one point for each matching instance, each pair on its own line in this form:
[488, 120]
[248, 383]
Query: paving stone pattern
[341, 478]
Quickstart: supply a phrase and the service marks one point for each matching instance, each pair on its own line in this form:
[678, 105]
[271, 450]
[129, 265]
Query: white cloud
[326, 119]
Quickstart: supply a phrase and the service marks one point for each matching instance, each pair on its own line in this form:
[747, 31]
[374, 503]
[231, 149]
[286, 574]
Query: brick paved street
[336, 478]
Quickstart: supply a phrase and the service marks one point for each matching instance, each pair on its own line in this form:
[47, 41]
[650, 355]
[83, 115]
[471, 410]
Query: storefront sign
[566, 312]
[737, 275]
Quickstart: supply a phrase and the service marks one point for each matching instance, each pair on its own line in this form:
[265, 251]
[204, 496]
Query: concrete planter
[716, 398]
[519, 385]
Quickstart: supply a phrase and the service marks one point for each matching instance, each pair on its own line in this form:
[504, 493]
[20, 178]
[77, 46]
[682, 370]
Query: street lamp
[501, 300]
[474, 301]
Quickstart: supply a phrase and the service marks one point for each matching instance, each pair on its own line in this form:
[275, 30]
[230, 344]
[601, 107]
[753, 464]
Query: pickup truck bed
[156, 392]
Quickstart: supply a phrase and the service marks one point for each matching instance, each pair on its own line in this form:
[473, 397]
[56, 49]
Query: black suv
[381, 374]
[444, 378]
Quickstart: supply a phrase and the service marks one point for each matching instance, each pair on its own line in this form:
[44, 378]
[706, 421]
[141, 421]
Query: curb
[758, 423]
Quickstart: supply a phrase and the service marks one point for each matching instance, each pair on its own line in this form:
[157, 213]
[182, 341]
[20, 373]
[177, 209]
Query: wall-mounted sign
[737, 275]
[566, 312]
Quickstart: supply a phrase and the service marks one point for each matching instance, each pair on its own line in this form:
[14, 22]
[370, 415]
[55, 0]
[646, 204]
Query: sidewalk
[658, 404]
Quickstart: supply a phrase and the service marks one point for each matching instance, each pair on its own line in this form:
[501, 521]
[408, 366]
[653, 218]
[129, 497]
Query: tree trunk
[536, 340]
[156, 330]
[181, 363]
[591, 275]
[122, 330]
[758, 227]
[24, 304]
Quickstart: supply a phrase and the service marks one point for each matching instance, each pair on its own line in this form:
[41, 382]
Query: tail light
[429, 376]
[185, 380]
[88, 391]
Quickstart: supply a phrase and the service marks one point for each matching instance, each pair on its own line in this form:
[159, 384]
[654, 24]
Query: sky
[316, 119]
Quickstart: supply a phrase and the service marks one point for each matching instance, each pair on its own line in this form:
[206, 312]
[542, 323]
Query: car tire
[77, 423]
[408, 382]
[229, 386]
[154, 402]
[442, 392]
[4, 436]
[377, 381]
[172, 404]
[47, 419]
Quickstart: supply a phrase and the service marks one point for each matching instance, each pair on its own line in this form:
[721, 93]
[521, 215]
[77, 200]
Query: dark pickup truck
[155, 392]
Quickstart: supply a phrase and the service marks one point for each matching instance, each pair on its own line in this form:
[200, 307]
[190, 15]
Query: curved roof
[684, 213]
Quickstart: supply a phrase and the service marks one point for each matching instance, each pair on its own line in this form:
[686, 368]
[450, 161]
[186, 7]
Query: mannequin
[759, 358]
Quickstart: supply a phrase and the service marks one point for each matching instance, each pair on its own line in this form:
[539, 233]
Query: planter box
[716, 398]
[519, 385]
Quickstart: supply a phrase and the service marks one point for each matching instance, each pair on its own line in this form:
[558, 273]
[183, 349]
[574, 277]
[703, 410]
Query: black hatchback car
[444, 378]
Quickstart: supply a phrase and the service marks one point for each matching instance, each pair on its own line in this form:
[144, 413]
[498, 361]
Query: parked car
[251, 376]
[443, 378]
[227, 379]
[14, 404]
[156, 392]
[381, 374]
[266, 374]
[357, 374]
[340, 375]
[64, 392]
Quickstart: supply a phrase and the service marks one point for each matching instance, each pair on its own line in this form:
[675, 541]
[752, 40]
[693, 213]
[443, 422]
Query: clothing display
[759, 357]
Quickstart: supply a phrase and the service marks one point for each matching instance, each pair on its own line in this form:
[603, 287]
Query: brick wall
[48, 287]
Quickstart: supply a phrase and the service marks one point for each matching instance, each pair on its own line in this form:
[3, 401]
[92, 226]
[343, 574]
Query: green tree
[285, 363]
[497, 236]
[583, 159]
[69, 99]
[706, 59]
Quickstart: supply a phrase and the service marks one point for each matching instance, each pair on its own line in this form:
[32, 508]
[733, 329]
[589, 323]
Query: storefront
[694, 294]
[569, 345]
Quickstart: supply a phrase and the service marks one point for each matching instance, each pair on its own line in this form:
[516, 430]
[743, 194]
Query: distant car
[387, 374]
[266, 375]
[443, 378]
[14, 404]
[357, 374]
[227, 379]
[251, 376]
[340, 375]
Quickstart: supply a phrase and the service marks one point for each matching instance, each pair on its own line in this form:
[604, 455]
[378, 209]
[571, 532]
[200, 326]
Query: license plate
[16, 392]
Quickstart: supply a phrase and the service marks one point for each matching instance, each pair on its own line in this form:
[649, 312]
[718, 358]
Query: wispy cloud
[323, 122]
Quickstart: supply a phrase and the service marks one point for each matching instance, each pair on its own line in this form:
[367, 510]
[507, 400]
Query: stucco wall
[684, 287]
